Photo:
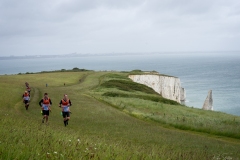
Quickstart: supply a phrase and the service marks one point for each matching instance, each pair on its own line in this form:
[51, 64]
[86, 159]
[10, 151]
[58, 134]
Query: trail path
[18, 107]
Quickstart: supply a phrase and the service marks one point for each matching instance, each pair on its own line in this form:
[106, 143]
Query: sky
[49, 27]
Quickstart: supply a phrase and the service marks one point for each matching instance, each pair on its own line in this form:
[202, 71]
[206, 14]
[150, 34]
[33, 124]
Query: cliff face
[168, 87]
[208, 103]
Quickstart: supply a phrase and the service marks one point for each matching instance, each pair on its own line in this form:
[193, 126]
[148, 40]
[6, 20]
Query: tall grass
[146, 105]
[96, 129]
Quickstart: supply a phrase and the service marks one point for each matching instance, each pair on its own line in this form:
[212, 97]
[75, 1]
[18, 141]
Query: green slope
[135, 124]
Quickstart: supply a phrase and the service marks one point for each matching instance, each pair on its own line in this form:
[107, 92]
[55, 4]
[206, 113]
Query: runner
[26, 84]
[28, 89]
[45, 103]
[65, 103]
[26, 98]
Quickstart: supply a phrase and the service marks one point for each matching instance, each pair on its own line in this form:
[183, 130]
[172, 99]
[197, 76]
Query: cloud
[66, 26]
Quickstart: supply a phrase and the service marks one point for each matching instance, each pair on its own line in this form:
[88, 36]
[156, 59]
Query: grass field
[112, 118]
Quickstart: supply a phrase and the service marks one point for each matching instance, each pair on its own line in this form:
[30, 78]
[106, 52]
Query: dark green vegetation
[75, 69]
[112, 118]
[127, 86]
[145, 97]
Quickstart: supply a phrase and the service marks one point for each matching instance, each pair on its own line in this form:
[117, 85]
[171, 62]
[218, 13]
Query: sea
[199, 72]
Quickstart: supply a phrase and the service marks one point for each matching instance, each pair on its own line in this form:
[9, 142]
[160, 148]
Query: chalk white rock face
[168, 87]
[208, 103]
[182, 94]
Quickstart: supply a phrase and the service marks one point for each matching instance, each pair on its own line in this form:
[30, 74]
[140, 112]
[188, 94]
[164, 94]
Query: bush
[75, 68]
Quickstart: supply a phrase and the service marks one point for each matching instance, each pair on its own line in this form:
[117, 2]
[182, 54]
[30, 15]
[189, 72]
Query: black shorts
[26, 101]
[45, 112]
[65, 114]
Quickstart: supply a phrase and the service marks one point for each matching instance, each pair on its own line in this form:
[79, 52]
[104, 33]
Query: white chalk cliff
[208, 103]
[168, 87]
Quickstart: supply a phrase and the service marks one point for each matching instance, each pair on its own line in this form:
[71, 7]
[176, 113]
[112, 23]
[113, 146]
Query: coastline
[197, 74]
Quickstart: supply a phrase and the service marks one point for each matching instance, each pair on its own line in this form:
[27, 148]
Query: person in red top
[65, 103]
[45, 103]
[26, 99]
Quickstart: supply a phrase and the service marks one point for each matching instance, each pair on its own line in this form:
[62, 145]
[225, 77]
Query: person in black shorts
[26, 99]
[45, 103]
[65, 103]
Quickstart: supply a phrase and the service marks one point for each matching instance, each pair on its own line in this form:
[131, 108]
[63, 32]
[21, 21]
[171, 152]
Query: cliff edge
[168, 87]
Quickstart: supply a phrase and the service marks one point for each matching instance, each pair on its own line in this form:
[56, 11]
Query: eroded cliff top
[140, 72]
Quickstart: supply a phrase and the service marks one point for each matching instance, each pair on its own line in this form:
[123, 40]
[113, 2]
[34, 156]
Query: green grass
[139, 126]
[145, 97]
[149, 106]
[127, 86]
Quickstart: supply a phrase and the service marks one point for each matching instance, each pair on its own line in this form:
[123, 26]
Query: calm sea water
[198, 74]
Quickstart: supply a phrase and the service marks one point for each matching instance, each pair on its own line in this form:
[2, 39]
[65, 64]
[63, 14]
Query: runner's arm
[60, 103]
[40, 103]
[50, 101]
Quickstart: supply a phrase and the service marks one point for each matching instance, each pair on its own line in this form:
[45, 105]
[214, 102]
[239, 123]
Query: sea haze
[198, 73]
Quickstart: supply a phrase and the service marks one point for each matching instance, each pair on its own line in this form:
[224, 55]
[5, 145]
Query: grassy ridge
[167, 112]
[127, 86]
[96, 129]
[145, 97]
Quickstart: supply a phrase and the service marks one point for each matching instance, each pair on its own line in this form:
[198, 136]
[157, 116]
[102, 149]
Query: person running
[65, 103]
[26, 84]
[28, 89]
[45, 103]
[26, 98]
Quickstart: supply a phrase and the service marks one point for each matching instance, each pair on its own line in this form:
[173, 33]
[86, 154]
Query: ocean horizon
[198, 73]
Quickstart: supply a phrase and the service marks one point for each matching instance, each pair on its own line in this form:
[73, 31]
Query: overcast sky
[34, 27]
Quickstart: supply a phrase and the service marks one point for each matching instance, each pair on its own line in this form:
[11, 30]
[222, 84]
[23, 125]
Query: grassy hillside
[112, 118]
